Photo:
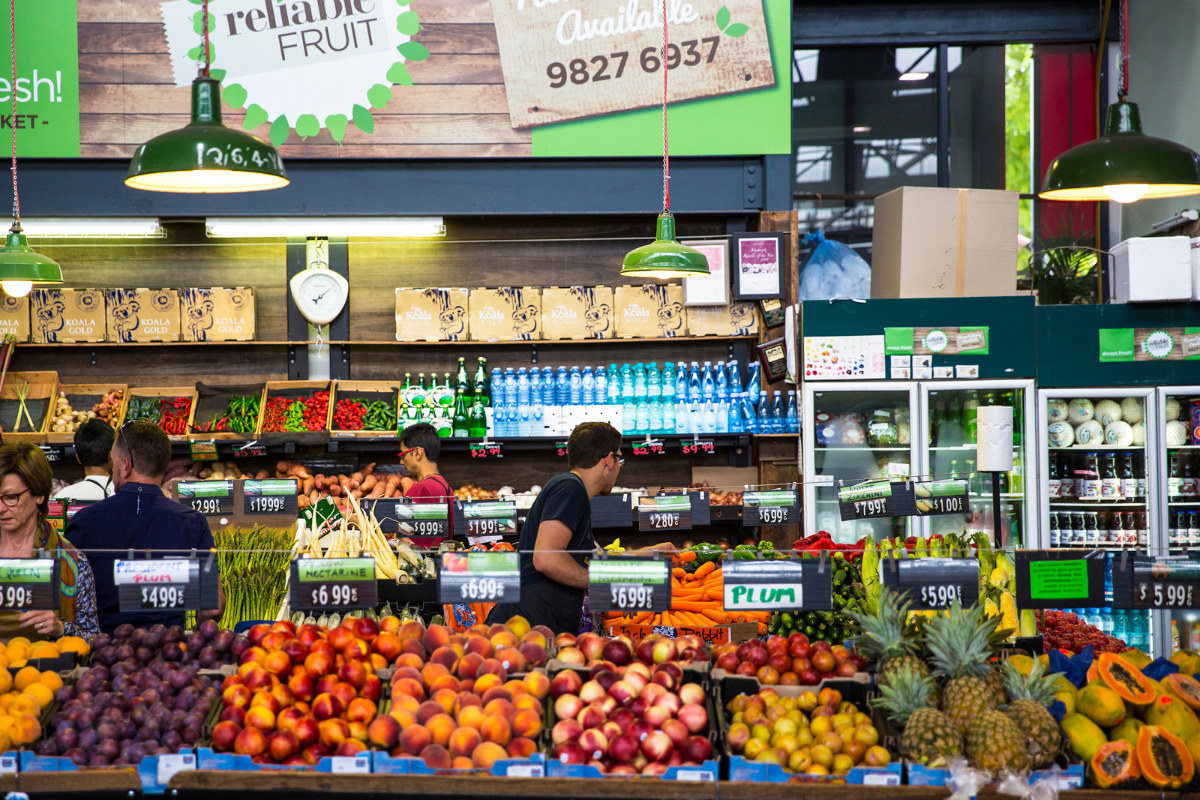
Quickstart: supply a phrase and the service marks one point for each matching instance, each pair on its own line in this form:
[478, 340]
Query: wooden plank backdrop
[456, 107]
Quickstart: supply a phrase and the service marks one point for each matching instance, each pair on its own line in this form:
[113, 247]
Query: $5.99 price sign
[629, 584]
[934, 583]
[270, 497]
[1164, 582]
[333, 584]
[29, 584]
[159, 584]
[479, 577]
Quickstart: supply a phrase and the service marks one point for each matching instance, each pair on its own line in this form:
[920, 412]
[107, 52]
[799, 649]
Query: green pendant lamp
[20, 266]
[665, 257]
[206, 156]
[1124, 164]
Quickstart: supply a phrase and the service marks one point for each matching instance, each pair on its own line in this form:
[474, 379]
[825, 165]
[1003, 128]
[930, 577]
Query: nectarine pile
[788, 661]
[589, 649]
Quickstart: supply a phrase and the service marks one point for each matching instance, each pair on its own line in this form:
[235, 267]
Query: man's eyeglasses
[11, 500]
[403, 453]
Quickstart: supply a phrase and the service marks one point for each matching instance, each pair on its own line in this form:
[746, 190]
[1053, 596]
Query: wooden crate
[43, 386]
[88, 390]
[296, 389]
[226, 436]
[164, 391]
[376, 390]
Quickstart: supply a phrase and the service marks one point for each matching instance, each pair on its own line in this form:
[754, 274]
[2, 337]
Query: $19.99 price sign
[28, 584]
[479, 577]
[159, 584]
[934, 583]
[629, 584]
[333, 584]
[270, 497]
[1164, 582]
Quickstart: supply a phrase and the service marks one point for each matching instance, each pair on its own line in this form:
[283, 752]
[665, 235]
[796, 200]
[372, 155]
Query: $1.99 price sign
[934, 583]
[479, 577]
[1166, 582]
[28, 584]
[629, 584]
[162, 584]
[333, 584]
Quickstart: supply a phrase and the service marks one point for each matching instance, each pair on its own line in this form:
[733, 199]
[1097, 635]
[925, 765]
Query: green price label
[493, 562]
[26, 570]
[1058, 580]
[618, 571]
[771, 498]
[276, 487]
[336, 569]
[865, 491]
[206, 489]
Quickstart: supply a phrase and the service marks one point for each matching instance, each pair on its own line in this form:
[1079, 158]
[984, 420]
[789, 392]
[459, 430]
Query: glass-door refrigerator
[1099, 469]
[1179, 503]
[856, 431]
[948, 409]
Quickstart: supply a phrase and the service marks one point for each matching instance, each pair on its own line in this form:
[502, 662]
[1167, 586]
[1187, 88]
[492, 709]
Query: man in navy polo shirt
[138, 517]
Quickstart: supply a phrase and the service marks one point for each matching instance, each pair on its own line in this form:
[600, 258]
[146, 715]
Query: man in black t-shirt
[553, 581]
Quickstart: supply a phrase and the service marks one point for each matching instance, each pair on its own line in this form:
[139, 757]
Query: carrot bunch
[697, 600]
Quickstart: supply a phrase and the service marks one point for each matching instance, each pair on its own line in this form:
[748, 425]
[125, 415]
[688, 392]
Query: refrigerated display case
[1179, 502]
[856, 432]
[948, 414]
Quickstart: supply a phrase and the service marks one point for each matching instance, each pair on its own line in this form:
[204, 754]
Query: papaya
[1127, 731]
[1124, 678]
[1183, 688]
[1173, 715]
[1193, 745]
[1163, 758]
[1137, 658]
[1100, 704]
[1093, 672]
[1114, 763]
[1085, 736]
[1021, 663]
[1187, 661]
[1068, 700]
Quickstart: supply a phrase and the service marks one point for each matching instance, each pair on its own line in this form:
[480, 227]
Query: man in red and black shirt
[419, 451]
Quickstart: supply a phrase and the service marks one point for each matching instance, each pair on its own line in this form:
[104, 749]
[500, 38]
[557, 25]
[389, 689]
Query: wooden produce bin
[167, 393]
[83, 396]
[295, 390]
[370, 391]
[211, 403]
[39, 402]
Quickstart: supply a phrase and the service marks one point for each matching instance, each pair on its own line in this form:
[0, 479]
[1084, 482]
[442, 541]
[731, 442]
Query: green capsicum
[705, 553]
[745, 552]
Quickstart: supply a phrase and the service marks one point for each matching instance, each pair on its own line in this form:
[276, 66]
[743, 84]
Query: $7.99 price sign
[629, 584]
[333, 584]
[480, 577]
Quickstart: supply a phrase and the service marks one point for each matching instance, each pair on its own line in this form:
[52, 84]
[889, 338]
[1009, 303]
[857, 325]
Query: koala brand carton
[580, 312]
[67, 315]
[650, 312]
[217, 314]
[142, 315]
[431, 315]
[508, 314]
[14, 317]
[735, 319]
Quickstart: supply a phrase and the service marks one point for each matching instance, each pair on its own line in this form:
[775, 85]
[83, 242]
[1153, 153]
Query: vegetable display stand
[26, 405]
[295, 411]
[85, 397]
[364, 409]
[172, 412]
[227, 413]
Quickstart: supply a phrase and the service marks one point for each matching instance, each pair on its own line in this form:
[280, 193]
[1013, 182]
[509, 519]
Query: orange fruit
[43, 650]
[73, 644]
[41, 693]
[24, 704]
[51, 681]
[26, 676]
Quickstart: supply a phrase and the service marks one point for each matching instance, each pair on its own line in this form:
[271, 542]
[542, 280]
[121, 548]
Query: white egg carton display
[1079, 422]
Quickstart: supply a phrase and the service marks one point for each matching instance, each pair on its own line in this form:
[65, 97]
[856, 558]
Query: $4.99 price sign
[479, 577]
[160, 584]
[28, 584]
[1165, 582]
[270, 497]
[629, 584]
[333, 584]
[934, 583]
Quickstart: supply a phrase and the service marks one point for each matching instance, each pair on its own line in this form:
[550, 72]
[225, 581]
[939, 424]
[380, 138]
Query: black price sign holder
[332, 584]
[649, 447]
[489, 518]
[779, 585]
[867, 500]
[29, 584]
[1059, 579]
[204, 451]
[405, 518]
[479, 577]
[704, 447]
[933, 584]
[251, 449]
[53, 453]
[210, 498]
[270, 497]
[1156, 582]
[560, 449]
[670, 513]
[774, 507]
[906, 498]
[629, 583]
[166, 584]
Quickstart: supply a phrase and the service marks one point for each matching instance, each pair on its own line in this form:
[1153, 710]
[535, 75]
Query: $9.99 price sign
[1165, 582]
[479, 577]
[333, 584]
[28, 584]
[160, 584]
[934, 583]
[629, 584]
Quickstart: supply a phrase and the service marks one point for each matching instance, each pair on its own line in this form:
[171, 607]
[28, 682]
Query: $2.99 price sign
[1165, 582]
[28, 584]
[479, 577]
[629, 584]
[210, 498]
[653, 447]
[333, 584]
[162, 584]
[934, 583]
[487, 450]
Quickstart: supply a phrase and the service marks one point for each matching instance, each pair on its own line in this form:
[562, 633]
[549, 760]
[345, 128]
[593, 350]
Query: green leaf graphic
[235, 95]
[336, 123]
[737, 29]
[398, 73]
[363, 119]
[723, 18]
[218, 74]
[408, 24]
[280, 130]
[308, 125]
[379, 95]
[255, 115]
[413, 51]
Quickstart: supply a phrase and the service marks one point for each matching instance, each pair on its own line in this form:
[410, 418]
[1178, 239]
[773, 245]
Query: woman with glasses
[25, 488]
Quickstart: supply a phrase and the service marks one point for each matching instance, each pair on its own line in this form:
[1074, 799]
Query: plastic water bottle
[753, 384]
[708, 385]
[792, 420]
[668, 414]
[694, 392]
[681, 384]
[653, 381]
[723, 416]
[614, 386]
[656, 415]
[749, 418]
[496, 388]
[667, 384]
[695, 416]
[722, 381]
[548, 386]
[763, 413]
[643, 416]
[537, 415]
[601, 386]
[562, 388]
[535, 385]
[514, 423]
[1119, 625]
[735, 423]
[1106, 620]
[510, 386]
[735, 377]
[710, 416]
[777, 413]
[639, 380]
[524, 413]
[588, 383]
[522, 386]
[681, 416]
[576, 387]
[626, 382]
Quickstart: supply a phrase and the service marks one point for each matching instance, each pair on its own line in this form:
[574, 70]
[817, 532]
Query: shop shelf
[857, 448]
[87, 395]
[532, 767]
[1070, 777]
[209, 759]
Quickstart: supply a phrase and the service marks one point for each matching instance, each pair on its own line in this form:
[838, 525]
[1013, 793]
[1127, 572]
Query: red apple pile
[592, 648]
[788, 661]
[640, 720]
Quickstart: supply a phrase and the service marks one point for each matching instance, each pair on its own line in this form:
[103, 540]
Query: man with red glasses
[419, 451]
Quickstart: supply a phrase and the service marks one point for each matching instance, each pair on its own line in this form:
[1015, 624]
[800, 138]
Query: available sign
[1149, 344]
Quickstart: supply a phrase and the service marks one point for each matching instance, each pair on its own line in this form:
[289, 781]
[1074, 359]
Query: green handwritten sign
[1058, 580]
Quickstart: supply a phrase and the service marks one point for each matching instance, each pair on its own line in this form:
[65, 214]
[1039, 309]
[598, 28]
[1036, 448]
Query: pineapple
[994, 742]
[959, 647]
[890, 641]
[928, 736]
[1029, 696]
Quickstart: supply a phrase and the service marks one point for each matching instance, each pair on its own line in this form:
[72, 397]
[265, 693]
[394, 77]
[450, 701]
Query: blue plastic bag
[1160, 668]
[833, 270]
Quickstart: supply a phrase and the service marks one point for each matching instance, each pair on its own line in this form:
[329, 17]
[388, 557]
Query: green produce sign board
[1059, 579]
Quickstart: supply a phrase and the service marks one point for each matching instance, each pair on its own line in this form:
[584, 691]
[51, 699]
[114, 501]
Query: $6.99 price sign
[629, 584]
[631, 597]
[480, 577]
[333, 583]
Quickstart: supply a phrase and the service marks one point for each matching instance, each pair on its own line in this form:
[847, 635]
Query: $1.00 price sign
[778, 585]
[270, 497]
[629, 584]
[479, 578]
[940, 497]
[1164, 582]
[210, 498]
[158, 584]
[333, 584]
[866, 500]
[776, 507]
[934, 583]
[665, 513]
[28, 584]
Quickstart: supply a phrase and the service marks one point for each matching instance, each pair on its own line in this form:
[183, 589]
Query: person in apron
[25, 486]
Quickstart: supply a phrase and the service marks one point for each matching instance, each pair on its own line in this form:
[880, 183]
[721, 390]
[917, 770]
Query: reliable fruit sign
[1149, 344]
[47, 118]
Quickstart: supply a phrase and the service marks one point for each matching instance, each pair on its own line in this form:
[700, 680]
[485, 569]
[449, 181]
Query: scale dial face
[320, 294]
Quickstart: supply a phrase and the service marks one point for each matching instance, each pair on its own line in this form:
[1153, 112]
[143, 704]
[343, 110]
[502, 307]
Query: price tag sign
[53, 454]
[29, 584]
[203, 451]
[940, 497]
[490, 518]
[333, 584]
[779, 585]
[168, 765]
[1059, 579]
[350, 765]
[158, 584]
[421, 519]
[270, 497]
[210, 498]
[560, 449]
[629, 584]
[665, 513]
[776, 507]
[249, 450]
[653, 447]
[867, 500]
[1165, 582]
[479, 578]
[487, 450]
[697, 447]
[934, 583]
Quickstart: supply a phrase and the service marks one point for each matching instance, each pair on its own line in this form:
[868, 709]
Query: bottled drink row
[1100, 529]
[1098, 477]
[458, 409]
[1183, 528]
[953, 416]
[1182, 483]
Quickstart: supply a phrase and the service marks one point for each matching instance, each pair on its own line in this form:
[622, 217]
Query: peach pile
[591, 648]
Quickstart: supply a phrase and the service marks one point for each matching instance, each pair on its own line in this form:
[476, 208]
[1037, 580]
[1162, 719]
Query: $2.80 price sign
[479, 577]
[629, 584]
[1166, 582]
[28, 584]
[333, 584]
[665, 513]
[934, 583]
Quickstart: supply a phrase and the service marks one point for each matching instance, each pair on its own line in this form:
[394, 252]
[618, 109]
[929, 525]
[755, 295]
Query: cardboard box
[14, 317]
[735, 319]
[67, 315]
[431, 315]
[944, 243]
[580, 312]
[1152, 269]
[142, 315]
[650, 312]
[217, 314]
[505, 315]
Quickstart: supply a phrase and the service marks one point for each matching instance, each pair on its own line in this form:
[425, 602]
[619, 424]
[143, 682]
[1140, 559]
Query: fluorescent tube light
[914, 76]
[359, 227]
[66, 227]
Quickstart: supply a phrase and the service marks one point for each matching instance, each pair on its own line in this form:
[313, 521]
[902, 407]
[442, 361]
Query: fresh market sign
[1149, 344]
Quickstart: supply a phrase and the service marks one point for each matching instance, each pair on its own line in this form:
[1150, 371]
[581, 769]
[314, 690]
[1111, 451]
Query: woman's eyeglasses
[11, 500]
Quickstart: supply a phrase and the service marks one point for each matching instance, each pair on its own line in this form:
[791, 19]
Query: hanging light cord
[666, 149]
[207, 58]
[1123, 88]
[16, 226]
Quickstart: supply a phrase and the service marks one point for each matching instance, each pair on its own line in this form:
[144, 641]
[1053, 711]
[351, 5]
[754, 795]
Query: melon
[1089, 433]
[1124, 678]
[1080, 410]
[1056, 409]
[1163, 758]
[1108, 412]
[1127, 730]
[1061, 434]
[1114, 763]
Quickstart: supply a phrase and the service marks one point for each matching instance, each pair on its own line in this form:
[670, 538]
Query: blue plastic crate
[30, 762]
[708, 771]
[208, 759]
[148, 771]
[532, 767]
[755, 772]
[919, 775]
